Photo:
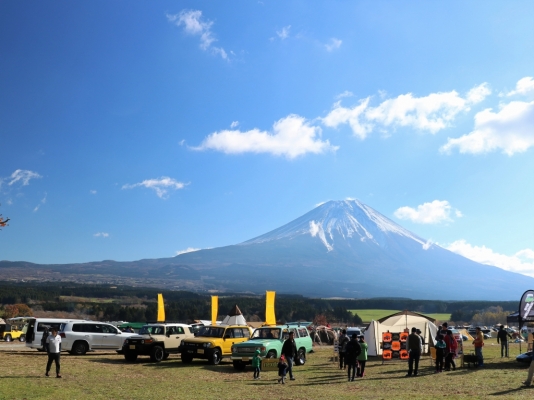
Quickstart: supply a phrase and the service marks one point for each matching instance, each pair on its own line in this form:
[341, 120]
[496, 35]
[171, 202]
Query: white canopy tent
[398, 322]
[234, 317]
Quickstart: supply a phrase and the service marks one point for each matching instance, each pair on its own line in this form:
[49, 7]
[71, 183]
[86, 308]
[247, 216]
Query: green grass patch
[76, 299]
[106, 375]
[369, 315]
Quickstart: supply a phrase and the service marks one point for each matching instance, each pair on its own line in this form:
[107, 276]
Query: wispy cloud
[291, 137]
[92, 191]
[430, 113]
[24, 176]
[234, 124]
[193, 24]
[523, 86]
[188, 250]
[43, 201]
[521, 262]
[509, 130]
[160, 185]
[101, 234]
[346, 93]
[284, 32]
[333, 44]
[434, 212]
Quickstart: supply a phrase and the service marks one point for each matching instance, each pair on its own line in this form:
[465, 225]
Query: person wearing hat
[54, 351]
[256, 364]
[414, 347]
[353, 350]
[282, 369]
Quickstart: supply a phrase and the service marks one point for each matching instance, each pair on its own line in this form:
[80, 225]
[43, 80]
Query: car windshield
[152, 330]
[211, 331]
[266, 333]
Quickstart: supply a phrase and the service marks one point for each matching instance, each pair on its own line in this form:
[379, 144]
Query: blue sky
[141, 129]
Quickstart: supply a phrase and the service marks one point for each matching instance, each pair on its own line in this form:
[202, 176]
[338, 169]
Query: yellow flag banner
[161, 308]
[214, 309]
[270, 318]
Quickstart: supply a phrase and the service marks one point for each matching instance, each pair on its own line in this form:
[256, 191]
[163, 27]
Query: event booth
[396, 324]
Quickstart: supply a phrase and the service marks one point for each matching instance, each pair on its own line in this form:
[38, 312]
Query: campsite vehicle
[79, 337]
[213, 342]
[9, 332]
[269, 341]
[157, 340]
[525, 358]
[353, 330]
[36, 327]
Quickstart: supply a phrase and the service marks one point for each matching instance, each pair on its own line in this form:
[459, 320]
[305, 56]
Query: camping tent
[323, 335]
[398, 322]
[234, 317]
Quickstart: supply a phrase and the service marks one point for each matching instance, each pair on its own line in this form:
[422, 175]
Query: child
[256, 364]
[362, 358]
[440, 352]
[282, 369]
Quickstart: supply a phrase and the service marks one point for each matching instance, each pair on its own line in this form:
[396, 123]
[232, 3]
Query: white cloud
[428, 244]
[92, 191]
[24, 176]
[234, 124]
[188, 250]
[521, 262]
[333, 44]
[101, 234]
[161, 185]
[523, 86]
[291, 137]
[193, 24]
[430, 113]
[43, 201]
[346, 93]
[284, 32]
[428, 213]
[510, 130]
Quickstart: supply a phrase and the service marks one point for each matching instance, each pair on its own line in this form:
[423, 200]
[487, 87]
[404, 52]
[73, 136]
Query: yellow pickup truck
[10, 332]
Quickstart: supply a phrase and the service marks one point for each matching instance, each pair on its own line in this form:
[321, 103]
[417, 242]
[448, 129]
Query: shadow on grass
[510, 391]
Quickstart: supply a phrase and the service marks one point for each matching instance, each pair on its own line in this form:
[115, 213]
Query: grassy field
[106, 375]
[369, 315]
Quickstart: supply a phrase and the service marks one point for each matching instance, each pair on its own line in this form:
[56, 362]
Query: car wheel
[216, 357]
[8, 338]
[130, 357]
[187, 358]
[22, 338]
[271, 354]
[166, 355]
[301, 357]
[157, 354]
[239, 365]
[78, 348]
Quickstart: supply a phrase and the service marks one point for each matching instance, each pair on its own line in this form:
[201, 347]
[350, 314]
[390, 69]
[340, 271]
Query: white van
[36, 326]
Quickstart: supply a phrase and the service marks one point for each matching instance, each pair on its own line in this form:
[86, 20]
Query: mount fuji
[339, 249]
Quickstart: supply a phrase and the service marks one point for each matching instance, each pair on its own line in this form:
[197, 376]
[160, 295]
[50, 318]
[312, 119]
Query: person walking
[54, 351]
[362, 358]
[414, 347]
[479, 343]
[342, 347]
[351, 356]
[440, 352]
[256, 364]
[289, 350]
[282, 369]
[502, 337]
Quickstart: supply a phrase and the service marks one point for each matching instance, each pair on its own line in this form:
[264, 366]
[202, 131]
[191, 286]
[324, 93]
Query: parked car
[10, 332]
[353, 330]
[36, 327]
[213, 342]
[269, 341]
[156, 340]
[79, 337]
[525, 358]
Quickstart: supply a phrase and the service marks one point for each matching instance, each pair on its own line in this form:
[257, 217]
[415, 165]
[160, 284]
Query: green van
[269, 340]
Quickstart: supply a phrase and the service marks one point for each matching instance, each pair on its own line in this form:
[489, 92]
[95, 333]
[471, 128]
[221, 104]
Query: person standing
[414, 347]
[282, 369]
[502, 337]
[256, 364]
[289, 350]
[54, 351]
[440, 352]
[450, 351]
[362, 358]
[44, 343]
[479, 343]
[351, 356]
[342, 347]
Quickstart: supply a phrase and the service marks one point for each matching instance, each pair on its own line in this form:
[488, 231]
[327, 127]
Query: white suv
[79, 337]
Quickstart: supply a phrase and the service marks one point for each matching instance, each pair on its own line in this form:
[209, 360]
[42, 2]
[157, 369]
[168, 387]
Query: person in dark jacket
[289, 350]
[353, 350]
[342, 346]
[502, 338]
[282, 369]
[414, 347]
[44, 343]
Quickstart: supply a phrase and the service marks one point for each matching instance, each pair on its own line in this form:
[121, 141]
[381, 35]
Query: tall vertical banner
[214, 309]
[270, 318]
[161, 308]
[525, 306]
